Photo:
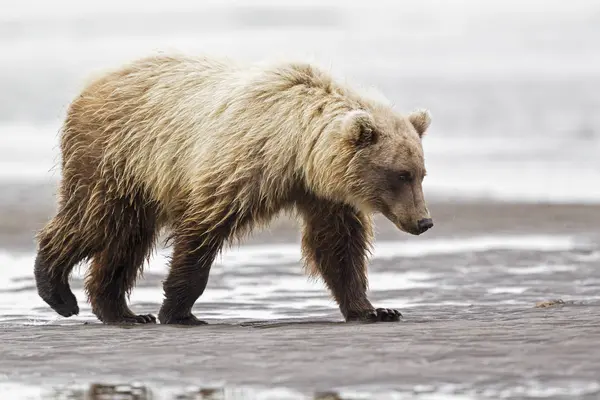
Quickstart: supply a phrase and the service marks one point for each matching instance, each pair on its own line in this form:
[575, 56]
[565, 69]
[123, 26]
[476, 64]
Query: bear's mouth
[402, 227]
[412, 231]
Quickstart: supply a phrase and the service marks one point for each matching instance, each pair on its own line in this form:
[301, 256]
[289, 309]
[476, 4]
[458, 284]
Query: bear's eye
[404, 176]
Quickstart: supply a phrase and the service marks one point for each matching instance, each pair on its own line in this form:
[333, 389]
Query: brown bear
[210, 149]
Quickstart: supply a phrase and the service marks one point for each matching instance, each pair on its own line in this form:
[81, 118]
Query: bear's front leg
[335, 243]
[187, 278]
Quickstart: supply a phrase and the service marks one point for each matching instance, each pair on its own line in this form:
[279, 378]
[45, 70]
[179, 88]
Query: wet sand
[475, 331]
[472, 351]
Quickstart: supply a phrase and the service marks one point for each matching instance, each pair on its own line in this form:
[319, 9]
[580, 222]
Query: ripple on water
[267, 281]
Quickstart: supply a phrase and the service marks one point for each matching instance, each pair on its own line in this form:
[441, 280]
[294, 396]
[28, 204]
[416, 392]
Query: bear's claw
[385, 315]
[145, 319]
[133, 319]
[187, 320]
[377, 315]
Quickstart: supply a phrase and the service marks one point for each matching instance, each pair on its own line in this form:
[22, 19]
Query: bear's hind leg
[335, 243]
[114, 270]
[61, 247]
[62, 243]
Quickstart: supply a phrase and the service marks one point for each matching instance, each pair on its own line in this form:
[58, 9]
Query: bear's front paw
[185, 320]
[143, 319]
[377, 315]
[130, 319]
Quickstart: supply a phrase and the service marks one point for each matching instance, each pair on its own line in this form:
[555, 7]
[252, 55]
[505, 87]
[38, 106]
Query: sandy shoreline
[485, 353]
[472, 331]
[25, 207]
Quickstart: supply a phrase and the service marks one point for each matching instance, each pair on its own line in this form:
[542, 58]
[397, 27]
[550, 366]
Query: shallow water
[470, 327]
[267, 281]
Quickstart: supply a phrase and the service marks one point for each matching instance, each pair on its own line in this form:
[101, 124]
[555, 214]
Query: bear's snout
[424, 225]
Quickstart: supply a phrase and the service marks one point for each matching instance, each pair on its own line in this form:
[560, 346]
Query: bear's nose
[424, 224]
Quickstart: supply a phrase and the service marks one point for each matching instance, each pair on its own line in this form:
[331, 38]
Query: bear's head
[385, 165]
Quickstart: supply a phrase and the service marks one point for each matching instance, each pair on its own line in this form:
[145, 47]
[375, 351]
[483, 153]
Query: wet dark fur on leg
[54, 288]
[335, 244]
[114, 269]
[193, 255]
[61, 247]
[117, 233]
[187, 279]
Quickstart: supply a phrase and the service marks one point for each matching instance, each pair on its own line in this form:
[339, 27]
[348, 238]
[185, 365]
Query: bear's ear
[420, 119]
[358, 128]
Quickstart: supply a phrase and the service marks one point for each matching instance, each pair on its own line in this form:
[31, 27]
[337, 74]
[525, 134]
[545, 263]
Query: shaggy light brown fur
[210, 150]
